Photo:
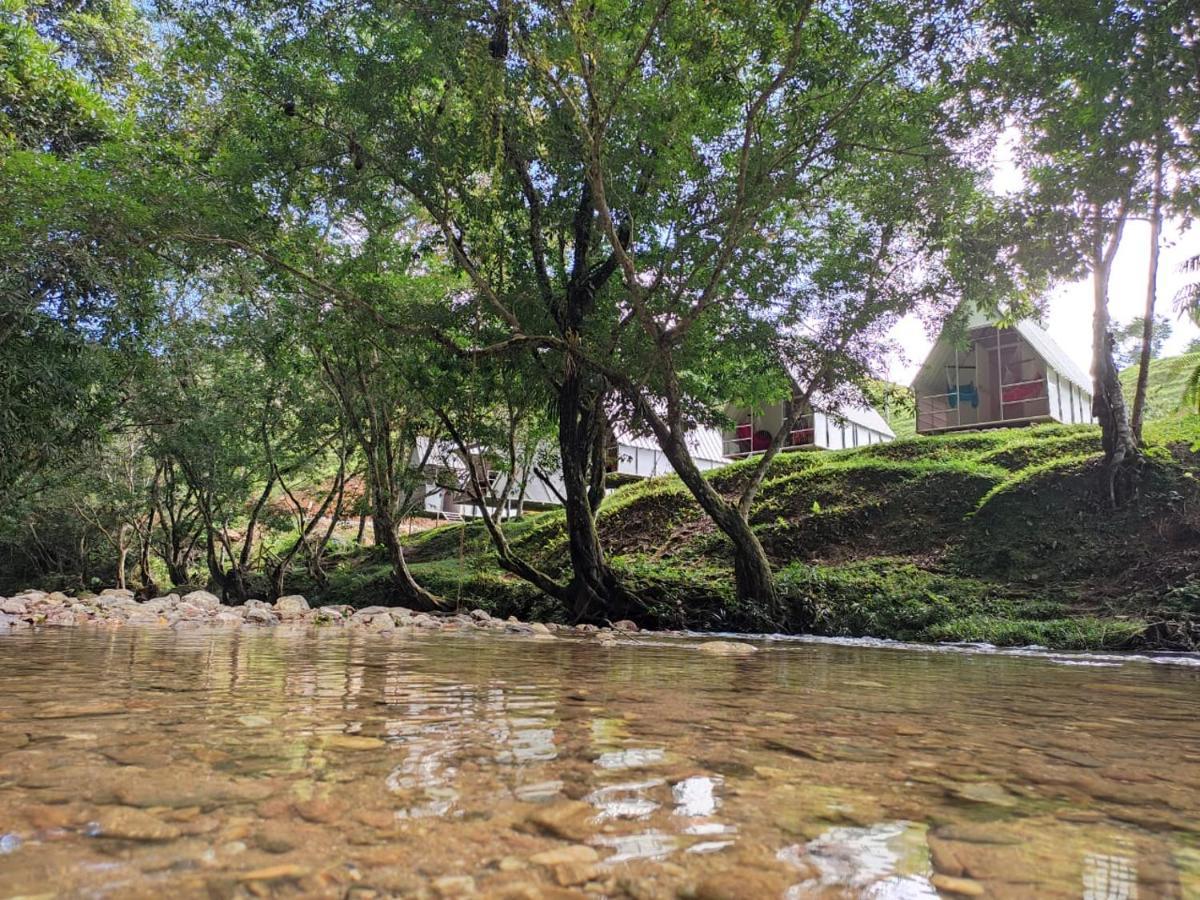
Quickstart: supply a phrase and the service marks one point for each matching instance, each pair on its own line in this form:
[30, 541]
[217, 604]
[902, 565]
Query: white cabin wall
[818, 425]
[1053, 397]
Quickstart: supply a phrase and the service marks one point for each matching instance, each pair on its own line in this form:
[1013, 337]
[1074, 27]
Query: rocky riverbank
[117, 607]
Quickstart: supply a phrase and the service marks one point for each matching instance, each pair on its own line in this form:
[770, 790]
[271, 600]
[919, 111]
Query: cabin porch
[755, 430]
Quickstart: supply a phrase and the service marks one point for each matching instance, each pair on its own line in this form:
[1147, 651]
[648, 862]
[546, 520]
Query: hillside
[1166, 385]
[1001, 536]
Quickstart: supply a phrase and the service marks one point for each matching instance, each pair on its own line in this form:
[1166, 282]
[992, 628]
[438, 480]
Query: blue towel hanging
[967, 393]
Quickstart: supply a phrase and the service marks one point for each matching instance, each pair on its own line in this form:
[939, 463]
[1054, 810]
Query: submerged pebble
[728, 648]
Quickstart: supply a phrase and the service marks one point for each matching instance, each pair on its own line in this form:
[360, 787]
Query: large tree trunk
[177, 571]
[122, 553]
[1108, 401]
[1139, 396]
[595, 590]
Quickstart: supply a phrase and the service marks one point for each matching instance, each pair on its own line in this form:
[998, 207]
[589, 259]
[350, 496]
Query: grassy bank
[1002, 536]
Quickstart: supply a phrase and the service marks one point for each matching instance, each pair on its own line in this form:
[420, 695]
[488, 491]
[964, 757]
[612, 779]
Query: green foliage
[1167, 387]
[1077, 633]
[1128, 340]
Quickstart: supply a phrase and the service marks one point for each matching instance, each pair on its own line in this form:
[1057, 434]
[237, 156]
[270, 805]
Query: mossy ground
[1001, 536]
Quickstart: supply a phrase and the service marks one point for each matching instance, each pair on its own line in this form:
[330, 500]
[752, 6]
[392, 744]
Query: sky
[1069, 306]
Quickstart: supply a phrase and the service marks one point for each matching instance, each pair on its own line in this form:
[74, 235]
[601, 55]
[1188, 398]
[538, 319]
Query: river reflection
[260, 763]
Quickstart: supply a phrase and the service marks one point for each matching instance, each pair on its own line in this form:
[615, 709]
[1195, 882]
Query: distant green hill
[1165, 389]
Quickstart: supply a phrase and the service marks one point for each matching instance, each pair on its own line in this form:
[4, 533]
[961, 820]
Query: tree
[74, 290]
[1103, 94]
[613, 185]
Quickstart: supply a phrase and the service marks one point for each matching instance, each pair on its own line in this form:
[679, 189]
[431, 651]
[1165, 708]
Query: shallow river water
[149, 763]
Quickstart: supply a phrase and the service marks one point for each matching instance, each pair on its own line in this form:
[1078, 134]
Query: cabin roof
[1039, 341]
[866, 416]
[704, 443]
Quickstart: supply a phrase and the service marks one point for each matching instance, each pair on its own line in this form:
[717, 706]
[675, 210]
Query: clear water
[149, 763]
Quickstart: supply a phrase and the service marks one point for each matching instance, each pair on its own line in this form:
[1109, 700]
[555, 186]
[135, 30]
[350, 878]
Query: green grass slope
[1165, 386]
[1003, 536]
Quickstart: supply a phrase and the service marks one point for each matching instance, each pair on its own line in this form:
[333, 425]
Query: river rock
[14, 606]
[118, 593]
[258, 616]
[203, 599]
[454, 886]
[59, 617]
[480, 615]
[728, 648]
[353, 742]
[291, 606]
[540, 628]
[328, 615]
[569, 865]
[571, 820]
[740, 883]
[156, 788]
[573, 854]
[275, 873]
[985, 792]
[625, 625]
[143, 617]
[276, 837]
[320, 811]
[132, 825]
[959, 887]
[191, 611]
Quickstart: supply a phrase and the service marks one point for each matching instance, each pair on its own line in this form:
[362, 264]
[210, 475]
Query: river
[227, 763]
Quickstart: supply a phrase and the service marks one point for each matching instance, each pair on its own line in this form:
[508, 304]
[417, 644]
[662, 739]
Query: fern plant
[1187, 301]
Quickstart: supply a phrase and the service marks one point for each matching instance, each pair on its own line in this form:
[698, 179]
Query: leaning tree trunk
[753, 579]
[1143, 380]
[387, 534]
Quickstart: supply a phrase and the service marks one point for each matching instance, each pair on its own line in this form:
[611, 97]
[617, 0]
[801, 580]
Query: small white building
[822, 427]
[632, 456]
[999, 377]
